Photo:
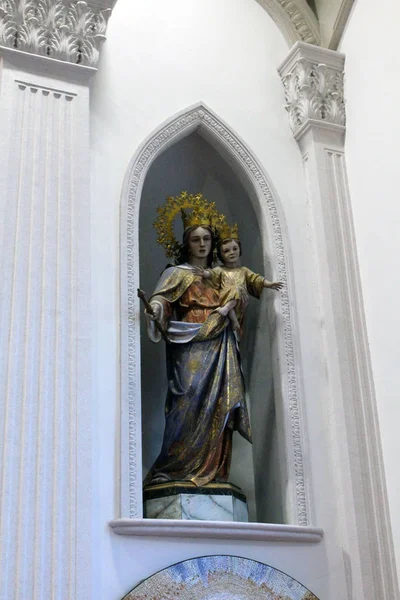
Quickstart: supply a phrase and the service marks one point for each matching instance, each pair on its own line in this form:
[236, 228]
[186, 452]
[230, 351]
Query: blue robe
[206, 394]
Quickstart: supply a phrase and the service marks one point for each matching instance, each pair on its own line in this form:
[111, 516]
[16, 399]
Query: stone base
[183, 500]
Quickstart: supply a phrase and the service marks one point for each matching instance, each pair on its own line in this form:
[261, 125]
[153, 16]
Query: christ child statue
[235, 283]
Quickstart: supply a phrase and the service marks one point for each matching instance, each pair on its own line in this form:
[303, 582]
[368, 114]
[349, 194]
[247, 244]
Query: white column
[45, 317]
[313, 82]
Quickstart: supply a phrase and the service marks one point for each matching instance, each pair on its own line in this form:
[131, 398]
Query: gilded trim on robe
[206, 396]
[174, 282]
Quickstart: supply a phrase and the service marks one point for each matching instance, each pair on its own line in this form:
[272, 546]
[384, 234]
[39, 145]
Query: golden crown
[197, 217]
[226, 232]
[194, 209]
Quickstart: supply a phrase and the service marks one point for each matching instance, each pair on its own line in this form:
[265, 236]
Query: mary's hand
[157, 310]
[199, 271]
[275, 285]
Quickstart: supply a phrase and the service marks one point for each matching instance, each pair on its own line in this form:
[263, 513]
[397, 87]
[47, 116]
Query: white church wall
[373, 124]
[159, 59]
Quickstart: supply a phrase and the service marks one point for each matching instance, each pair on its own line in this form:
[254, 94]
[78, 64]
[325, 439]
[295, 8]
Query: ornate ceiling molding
[72, 30]
[313, 81]
[295, 19]
[340, 23]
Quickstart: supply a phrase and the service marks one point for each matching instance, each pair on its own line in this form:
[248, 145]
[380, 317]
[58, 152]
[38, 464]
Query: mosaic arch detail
[220, 578]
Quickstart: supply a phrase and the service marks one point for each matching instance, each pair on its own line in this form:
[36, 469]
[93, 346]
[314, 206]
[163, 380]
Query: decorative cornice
[67, 30]
[218, 530]
[295, 19]
[313, 82]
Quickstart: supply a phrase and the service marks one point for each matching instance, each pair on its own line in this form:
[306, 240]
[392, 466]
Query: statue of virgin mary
[205, 399]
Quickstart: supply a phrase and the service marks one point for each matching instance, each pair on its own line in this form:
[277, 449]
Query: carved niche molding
[198, 117]
[71, 30]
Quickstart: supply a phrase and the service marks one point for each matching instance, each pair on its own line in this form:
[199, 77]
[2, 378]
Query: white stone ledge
[45, 65]
[321, 125]
[313, 54]
[217, 530]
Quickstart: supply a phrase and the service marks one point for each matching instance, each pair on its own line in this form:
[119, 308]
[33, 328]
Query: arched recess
[286, 381]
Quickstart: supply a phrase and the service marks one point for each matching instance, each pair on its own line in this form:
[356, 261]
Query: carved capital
[313, 83]
[69, 30]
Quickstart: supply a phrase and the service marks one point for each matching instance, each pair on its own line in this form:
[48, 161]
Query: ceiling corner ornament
[314, 91]
[295, 19]
[71, 31]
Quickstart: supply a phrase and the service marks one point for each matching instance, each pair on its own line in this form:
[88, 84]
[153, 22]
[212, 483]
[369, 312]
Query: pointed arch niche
[197, 151]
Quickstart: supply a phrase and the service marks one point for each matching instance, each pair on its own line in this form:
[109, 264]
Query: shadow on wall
[192, 164]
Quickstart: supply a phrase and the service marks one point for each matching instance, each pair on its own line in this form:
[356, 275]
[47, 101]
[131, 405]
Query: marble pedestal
[183, 500]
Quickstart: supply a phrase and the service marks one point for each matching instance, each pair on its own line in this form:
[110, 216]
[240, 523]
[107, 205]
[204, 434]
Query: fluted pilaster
[45, 315]
[313, 82]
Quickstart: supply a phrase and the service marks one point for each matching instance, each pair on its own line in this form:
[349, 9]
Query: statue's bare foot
[159, 478]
